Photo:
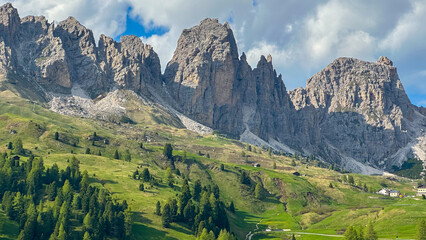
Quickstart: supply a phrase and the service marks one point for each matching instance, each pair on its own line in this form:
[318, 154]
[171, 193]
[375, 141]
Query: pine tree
[370, 234]
[225, 235]
[62, 234]
[116, 155]
[158, 209]
[197, 190]
[87, 236]
[293, 163]
[87, 223]
[330, 185]
[222, 167]
[87, 150]
[258, 191]
[351, 180]
[10, 146]
[351, 233]
[270, 152]
[18, 147]
[166, 216]
[127, 156]
[141, 187]
[56, 136]
[168, 150]
[146, 176]
[274, 166]
[128, 223]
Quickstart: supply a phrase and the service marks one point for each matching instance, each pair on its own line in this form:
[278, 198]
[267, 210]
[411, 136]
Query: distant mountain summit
[353, 113]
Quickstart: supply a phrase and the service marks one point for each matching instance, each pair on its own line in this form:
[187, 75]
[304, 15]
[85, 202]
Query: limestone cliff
[61, 57]
[361, 112]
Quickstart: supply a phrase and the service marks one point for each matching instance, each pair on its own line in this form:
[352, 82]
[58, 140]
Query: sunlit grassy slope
[303, 203]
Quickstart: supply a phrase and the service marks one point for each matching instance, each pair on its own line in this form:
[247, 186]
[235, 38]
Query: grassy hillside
[316, 202]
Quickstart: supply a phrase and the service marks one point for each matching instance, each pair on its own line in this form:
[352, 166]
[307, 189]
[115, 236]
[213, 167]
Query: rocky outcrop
[129, 63]
[361, 111]
[212, 85]
[59, 58]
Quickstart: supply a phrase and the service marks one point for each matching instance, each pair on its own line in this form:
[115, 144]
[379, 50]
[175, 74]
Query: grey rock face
[129, 63]
[210, 84]
[361, 111]
[58, 58]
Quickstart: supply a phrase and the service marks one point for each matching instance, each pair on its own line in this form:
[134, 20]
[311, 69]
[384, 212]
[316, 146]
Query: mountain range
[354, 114]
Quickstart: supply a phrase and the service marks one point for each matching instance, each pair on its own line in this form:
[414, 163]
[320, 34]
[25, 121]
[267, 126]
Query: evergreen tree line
[52, 204]
[200, 208]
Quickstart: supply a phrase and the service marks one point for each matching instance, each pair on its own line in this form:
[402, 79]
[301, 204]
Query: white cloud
[410, 32]
[279, 56]
[102, 16]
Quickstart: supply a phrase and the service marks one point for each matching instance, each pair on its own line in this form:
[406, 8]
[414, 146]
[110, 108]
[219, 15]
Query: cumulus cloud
[102, 16]
[410, 32]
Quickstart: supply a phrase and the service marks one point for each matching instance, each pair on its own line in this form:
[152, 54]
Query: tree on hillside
[127, 156]
[141, 187]
[197, 190]
[168, 150]
[225, 235]
[258, 191]
[206, 235]
[116, 155]
[87, 236]
[18, 148]
[293, 163]
[87, 150]
[244, 178]
[10, 146]
[222, 167]
[56, 136]
[166, 216]
[146, 176]
[351, 180]
[293, 237]
[351, 233]
[274, 166]
[158, 208]
[421, 230]
[370, 234]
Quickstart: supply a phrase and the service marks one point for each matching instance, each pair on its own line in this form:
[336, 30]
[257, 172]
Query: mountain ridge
[342, 114]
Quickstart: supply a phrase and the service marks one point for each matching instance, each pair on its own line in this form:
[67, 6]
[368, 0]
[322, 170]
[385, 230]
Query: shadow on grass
[181, 228]
[138, 217]
[144, 232]
[102, 182]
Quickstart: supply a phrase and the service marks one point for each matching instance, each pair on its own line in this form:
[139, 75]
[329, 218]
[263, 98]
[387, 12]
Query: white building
[384, 192]
[421, 190]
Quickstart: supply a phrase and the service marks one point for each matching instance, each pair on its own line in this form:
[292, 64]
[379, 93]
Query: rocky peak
[9, 23]
[385, 61]
[203, 69]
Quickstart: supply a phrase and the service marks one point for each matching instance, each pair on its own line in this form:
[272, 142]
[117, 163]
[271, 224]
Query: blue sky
[302, 36]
